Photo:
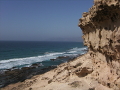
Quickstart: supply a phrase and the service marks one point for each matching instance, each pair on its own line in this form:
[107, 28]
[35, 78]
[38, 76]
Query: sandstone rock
[101, 29]
[76, 84]
[83, 72]
[99, 68]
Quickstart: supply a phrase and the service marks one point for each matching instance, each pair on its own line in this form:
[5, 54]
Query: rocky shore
[18, 75]
[99, 68]
[15, 74]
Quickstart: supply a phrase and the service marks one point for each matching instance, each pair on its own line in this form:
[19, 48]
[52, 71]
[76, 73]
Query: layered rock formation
[101, 29]
[99, 69]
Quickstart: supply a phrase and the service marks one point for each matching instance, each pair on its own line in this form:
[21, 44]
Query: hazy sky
[42, 20]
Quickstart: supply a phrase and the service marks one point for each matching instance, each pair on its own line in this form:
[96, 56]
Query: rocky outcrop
[99, 69]
[101, 33]
[74, 75]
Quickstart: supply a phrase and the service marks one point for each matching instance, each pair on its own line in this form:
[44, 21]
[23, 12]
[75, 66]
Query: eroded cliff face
[101, 33]
[99, 69]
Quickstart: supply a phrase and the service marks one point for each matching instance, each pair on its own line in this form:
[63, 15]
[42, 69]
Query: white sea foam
[6, 64]
[78, 49]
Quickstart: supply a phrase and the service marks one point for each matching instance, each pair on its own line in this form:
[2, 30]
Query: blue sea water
[25, 53]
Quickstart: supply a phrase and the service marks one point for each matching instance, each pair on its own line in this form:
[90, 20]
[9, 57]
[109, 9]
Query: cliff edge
[101, 29]
[99, 68]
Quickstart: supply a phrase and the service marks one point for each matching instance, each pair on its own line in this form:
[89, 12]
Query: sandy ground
[74, 75]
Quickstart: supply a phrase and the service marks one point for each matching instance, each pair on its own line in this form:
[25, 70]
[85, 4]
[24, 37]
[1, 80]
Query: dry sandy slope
[99, 69]
[74, 75]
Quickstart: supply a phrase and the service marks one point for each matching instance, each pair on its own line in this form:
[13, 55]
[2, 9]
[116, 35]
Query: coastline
[73, 75]
[14, 75]
[16, 68]
[99, 68]
[62, 76]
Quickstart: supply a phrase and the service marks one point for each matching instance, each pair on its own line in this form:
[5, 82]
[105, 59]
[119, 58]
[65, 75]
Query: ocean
[18, 54]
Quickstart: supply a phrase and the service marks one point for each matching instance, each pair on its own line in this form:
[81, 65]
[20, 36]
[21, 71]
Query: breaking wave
[17, 62]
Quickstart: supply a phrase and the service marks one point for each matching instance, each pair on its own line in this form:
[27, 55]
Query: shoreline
[25, 85]
[99, 68]
[73, 75]
[14, 75]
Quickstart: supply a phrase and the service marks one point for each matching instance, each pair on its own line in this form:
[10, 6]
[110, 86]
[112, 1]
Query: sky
[42, 20]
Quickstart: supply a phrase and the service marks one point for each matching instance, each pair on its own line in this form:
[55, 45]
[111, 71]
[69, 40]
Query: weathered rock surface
[74, 75]
[99, 69]
[101, 29]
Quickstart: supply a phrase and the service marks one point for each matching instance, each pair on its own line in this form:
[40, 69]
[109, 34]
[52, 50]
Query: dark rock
[16, 75]
[60, 57]
[49, 81]
[52, 59]
[36, 65]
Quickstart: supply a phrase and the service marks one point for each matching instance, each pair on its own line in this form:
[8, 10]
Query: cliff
[99, 69]
[101, 29]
